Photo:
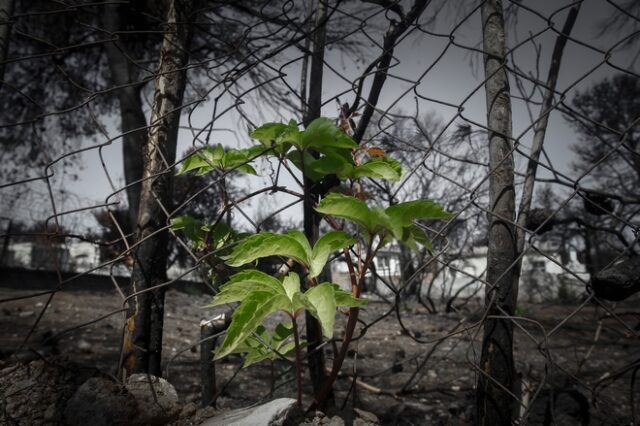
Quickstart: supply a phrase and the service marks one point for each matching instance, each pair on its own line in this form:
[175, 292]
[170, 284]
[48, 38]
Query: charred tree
[6, 12]
[495, 382]
[143, 335]
[312, 195]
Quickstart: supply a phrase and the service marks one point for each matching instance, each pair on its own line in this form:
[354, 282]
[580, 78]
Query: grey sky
[452, 80]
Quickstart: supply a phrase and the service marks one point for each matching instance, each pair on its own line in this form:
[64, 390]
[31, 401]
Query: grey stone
[367, 416]
[336, 421]
[156, 406]
[83, 345]
[100, 402]
[274, 413]
[51, 414]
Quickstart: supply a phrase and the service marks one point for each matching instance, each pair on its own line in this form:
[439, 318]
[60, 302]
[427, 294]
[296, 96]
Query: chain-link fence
[521, 118]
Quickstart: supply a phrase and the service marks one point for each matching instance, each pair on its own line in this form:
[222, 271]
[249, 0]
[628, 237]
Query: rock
[100, 401]
[189, 410]
[36, 393]
[336, 421]
[367, 416]
[51, 414]
[83, 345]
[274, 413]
[156, 406]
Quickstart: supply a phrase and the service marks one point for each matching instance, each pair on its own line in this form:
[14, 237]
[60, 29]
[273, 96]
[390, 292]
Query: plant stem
[357, 285]
[296, 342]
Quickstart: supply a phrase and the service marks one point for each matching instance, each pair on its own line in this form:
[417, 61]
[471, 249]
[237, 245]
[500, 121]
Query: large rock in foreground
[274, 413]
[157, 399]
[144, 400]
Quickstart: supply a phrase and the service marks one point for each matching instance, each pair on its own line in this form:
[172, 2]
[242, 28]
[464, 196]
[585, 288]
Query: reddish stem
[351, 325]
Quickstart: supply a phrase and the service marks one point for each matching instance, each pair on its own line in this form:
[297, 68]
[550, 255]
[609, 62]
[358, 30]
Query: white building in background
[544, 276]
[72, 256]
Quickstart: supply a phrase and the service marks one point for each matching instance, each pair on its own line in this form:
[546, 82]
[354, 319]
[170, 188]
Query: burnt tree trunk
[143, 341]
[6, 12]
[311, 197]
[496, 378]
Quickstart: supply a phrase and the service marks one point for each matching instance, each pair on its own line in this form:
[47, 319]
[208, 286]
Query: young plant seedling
[322, 149]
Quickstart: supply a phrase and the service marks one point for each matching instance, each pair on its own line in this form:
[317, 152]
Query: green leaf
[346, 299]
[379, 168]
[211, 158]
[403, 214]
[326, 245]
[346, 207]
[268, 133]
[191, 227]
[294, 156]
[302, 240]
[238, 160]
[279, 134]
[322, 298]
[267, 244]
[260, 345]
[243, 283]
[332, 164]
[413, 235]
[248, 316]
[380, 221]
[219, 234]
[300, 301]
[291, 285]
[323, 133]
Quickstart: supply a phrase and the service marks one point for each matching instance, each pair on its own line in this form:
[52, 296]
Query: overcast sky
[452, 80]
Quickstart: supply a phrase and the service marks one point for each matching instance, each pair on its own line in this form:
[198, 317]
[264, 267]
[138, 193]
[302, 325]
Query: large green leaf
[191, 227]
[380, 221]
[300, 301]
[268, 133]
[279, 134]
[326, 245]
[333, 164]
[291, 285]
[323, 299]
[248, 316]
[403, 214]
[379, 168]
[346, 299]
[243, 283]
[346, 207]
[302, 240]
[267, 244]
[323, 133]
[316, 169]
[211, 158]
[219, 234]
[260, 345]
[295, 157]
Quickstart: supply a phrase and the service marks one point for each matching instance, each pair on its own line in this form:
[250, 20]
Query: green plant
[319, 151]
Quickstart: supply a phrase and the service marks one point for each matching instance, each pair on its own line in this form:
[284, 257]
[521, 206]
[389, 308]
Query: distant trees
[606, 118]
[442, 165]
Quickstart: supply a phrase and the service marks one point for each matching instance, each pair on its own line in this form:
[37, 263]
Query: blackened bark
[311, 197]
[6, 12]
[391, 37]
[133, 123]
[150, 258]
[494, 403]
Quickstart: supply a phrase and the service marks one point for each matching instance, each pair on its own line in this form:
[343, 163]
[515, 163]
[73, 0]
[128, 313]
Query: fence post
[208, 329]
